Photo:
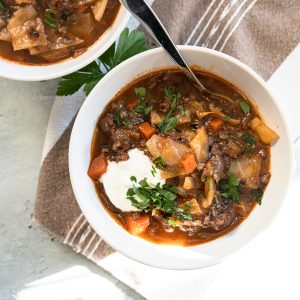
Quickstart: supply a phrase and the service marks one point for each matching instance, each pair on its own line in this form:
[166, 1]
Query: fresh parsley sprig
[129, 44]
[150, 198]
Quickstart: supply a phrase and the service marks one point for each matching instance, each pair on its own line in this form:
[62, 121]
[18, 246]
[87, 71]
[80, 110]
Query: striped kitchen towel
[261, 33]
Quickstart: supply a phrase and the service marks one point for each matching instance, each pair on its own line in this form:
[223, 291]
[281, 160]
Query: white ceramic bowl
[175, 257]
[16, 71]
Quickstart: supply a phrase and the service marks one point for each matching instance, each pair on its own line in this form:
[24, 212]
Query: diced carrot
[137, 225]
[131, 104]
[146, 130]
[189, 163]
[216, 124]
[97, 167]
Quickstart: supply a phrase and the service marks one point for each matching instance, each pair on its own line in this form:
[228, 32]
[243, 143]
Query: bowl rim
[24, 72]
[118, 246]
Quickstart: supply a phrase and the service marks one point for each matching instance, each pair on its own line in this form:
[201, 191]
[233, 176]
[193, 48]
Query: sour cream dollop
[116, 179]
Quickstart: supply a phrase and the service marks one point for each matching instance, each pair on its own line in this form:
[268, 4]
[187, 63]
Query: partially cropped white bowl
[176, 257]
[17, 71]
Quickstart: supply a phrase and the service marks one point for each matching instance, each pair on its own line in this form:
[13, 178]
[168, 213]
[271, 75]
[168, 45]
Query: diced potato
[199, 145]
[155, 118]
[189, 183]
[166, 174]
[181, 120]
[193, 207]
[265, 133]
[209, 192]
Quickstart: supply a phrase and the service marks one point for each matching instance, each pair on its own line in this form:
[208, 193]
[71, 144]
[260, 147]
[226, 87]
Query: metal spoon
[142, 11]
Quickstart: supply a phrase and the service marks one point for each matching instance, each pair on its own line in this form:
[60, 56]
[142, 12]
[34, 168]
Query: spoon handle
[142, 11]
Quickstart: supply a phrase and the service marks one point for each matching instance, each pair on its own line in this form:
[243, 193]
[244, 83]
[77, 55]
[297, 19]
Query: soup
[48, 31]
[175, 166]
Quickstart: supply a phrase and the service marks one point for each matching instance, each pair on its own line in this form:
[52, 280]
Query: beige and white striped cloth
[261, 33]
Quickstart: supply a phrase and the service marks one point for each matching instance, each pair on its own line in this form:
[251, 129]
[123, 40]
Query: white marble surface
[34, 267]
[27, 253]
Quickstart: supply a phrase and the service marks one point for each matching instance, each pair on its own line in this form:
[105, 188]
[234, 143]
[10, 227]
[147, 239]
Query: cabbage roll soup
[175, 166]
[48, 31]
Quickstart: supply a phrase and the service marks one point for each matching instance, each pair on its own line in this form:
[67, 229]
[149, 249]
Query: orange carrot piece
[216, 124]
[97, 167]
[188, 163]
[146, 130]
[138, 225]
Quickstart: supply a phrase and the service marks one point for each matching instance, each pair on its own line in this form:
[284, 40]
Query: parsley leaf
[248, 138]
[258, 195]
[148, 198]
[1, 6]
[181, 109]
[245, 107]
[168, 124]
[229, 188]
[153, 171]
[159, 162]
[49, 19]
[171, 93]
[142, 105]
[87, 77]
[129, 44]
[172, 222]
[227, 118]
[119, 119]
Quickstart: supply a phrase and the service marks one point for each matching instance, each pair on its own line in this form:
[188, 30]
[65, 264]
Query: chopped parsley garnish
[153, 171]
[159, 162]
[248, 138]
[120, 120]
[49, 19]
[245, 107]
[148, 198]
[129, 44]
[142, 106]
[227, 118]
[170, 122]
[171, 93]
[172, 222]
[257, 195]
[1, 6]
[181, 109]
[248, 151]
[229, 188]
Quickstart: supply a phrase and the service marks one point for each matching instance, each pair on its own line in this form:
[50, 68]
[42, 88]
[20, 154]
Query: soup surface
[47, 31]
[175, 166]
